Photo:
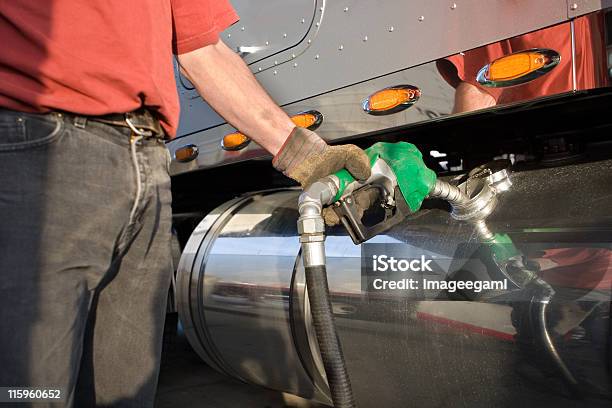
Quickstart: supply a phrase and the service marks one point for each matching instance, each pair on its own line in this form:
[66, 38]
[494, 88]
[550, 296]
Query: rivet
[317, 56]
[341, 47]
[303, 20]
[275, 62]
[391, 29]
[309, 41]
[275, 72]
[295, 65]
[574, 6]
[285, 35]
[421, 18]
[292, 55]
[241, 28]
[229, 36]
[259, 69]
[267, 42]
[365, 38]
[320, 8]
[318, 24]
[453, 6]
[19, 120]
[345, 9]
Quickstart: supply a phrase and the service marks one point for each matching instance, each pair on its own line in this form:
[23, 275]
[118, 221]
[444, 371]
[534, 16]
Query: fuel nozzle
[402, 181]
[390, 200]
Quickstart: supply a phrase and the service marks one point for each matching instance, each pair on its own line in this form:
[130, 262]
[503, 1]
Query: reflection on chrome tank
[244, 307]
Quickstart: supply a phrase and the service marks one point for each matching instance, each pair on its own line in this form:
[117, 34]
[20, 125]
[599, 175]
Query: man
[87, 96]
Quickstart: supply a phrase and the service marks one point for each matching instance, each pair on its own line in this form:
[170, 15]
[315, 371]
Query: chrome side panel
[400, 349]
[355, 48]
[409, 43]
[342, 112]
[269, 33]
[400, 34]
[576, 8]
[267, 28]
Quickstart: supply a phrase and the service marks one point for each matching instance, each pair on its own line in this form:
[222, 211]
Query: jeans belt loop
[140, 132]
[80, 122]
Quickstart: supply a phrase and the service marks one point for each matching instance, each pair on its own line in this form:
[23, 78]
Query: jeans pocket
[20, 131]
[12, 129]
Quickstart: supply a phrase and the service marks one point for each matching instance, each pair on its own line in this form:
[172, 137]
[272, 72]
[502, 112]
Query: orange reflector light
[309, 120]
[186, 153]
[391, 100]
[515, 65]
[518, 68]
[234, 141]
[303, 120]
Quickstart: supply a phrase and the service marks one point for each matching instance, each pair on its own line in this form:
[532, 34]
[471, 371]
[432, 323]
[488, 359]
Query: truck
[503, 87]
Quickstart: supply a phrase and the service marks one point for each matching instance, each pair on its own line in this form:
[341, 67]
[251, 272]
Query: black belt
[141, 121]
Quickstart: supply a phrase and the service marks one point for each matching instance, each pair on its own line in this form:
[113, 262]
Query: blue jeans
[85, 261]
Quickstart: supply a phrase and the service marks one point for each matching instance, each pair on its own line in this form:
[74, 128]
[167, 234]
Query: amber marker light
[518, 68]
[391, 100]
[309, 120]
[234, 141]
[186, 153]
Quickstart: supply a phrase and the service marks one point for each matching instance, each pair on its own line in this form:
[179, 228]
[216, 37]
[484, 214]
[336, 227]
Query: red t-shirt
[95, 57]
[585, 268]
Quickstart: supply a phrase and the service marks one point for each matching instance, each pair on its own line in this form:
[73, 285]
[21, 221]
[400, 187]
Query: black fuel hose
[329, 344]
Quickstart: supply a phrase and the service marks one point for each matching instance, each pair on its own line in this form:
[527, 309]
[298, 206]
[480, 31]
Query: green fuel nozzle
[402, 179]
[393, 165]
[403, 182]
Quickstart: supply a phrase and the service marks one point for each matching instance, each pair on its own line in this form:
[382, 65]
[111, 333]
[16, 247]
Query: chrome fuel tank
[243, 305]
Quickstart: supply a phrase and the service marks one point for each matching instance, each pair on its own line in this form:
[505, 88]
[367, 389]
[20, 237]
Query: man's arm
[227, 84]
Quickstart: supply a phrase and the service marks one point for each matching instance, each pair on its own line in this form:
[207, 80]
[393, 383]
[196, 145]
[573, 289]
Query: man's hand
[306, 158]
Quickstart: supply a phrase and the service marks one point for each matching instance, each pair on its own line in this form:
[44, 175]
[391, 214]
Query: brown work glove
[306, 158]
